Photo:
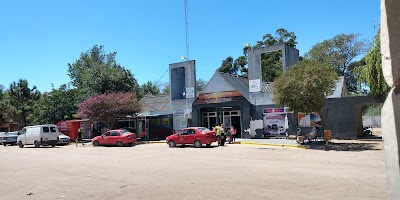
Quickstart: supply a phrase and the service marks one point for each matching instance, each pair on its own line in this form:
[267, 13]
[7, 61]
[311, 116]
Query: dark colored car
[196, 136]
[115, 137]
[9, 138]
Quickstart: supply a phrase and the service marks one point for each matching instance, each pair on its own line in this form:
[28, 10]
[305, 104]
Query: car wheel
[171, 143]
[208, 144]
[53, 145]
[197, 144]
[4, 144]
[120, 144]
[96, 143]
[20, 144]
[36, 143]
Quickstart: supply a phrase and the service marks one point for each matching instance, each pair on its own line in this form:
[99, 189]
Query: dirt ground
[155, 171]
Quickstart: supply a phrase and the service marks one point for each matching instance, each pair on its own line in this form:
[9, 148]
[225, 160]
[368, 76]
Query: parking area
[155, 171]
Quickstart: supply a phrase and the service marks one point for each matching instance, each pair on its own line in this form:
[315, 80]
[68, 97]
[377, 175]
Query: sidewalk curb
[275, 145]
[242, 143]
[151, 142]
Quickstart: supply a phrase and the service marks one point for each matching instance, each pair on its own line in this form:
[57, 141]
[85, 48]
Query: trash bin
[327, 135]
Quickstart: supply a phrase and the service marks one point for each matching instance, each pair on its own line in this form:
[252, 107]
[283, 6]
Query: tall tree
[96, 72]
[3, 106]
[56, 105]
[271, 63]
[371, 73]
[227, 66]
[108, 107]
[165, 88]
[22, 100]
[340, 51]
[148, 88]
[200, 84]
[304, 86]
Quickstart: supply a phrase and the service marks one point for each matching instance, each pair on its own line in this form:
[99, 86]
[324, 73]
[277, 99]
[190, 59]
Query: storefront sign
[275, 121]
[219, 97]
[309, 120]
[160, 122]
[189, 92]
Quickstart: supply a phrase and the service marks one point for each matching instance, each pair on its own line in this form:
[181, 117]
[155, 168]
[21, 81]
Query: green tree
[22, 100]
[271, 63]
[96, 72]
[148, 88]
[304, 86]
[370, 74]
[340, 51]
[57, 105]
[166, 88]
[200, 84]
[227, 66]
[3, 106]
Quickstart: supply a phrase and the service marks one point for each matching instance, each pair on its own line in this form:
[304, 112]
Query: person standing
[223, 136]
[233, 133]
[229, 135]
[79, 137]
[218, 133]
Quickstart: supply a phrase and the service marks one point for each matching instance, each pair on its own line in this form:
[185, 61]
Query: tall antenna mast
[187, 29]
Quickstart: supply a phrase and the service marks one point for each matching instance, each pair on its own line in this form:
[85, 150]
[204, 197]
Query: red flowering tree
[107, 107]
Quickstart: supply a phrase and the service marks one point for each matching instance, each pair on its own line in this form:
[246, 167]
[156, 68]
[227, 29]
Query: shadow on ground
[338, 146]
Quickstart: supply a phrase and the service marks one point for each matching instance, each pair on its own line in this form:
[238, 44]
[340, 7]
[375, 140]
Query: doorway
[209, 119]
[232, 118]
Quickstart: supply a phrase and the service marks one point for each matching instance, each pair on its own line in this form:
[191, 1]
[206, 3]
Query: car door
[190, 136]
[114, 136]
[182, 137]
[105, 138]
[22, 136]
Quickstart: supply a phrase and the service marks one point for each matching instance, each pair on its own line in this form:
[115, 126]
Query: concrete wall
[182, 107]
[344, 117]
[290, 56]
[390, 50]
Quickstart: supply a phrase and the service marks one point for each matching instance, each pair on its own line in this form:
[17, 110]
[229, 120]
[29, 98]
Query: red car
[115, 137]
[196, 136]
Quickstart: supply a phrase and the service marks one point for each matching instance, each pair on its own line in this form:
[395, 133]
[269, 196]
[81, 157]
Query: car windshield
[12, 133]
[203, 129]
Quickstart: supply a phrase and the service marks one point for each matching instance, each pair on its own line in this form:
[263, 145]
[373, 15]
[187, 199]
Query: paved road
[154, 171]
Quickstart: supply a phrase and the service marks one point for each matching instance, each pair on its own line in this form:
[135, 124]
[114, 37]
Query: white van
[38, 135]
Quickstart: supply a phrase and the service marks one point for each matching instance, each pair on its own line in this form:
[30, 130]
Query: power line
[156, 83]
[187, 28]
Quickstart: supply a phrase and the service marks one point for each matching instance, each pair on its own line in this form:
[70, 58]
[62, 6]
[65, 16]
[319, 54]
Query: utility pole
[187, 29]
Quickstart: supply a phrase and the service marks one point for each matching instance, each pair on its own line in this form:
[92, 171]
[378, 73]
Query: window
[53, 129]
[190, 131]
[46, 129]
[107, 134]
[203, 129]
[23, 131]
[114, 133]
[234, 113]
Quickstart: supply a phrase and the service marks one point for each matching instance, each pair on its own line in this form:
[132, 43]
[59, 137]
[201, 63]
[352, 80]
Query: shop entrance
[232, 118]
[209, 119]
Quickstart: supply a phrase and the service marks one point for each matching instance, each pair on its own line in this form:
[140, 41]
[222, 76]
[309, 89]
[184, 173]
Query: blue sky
[39, 38]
